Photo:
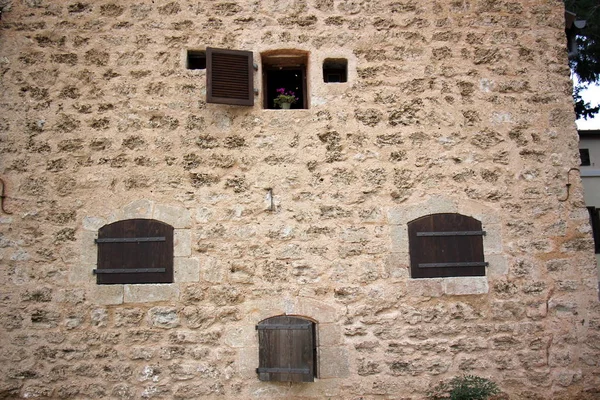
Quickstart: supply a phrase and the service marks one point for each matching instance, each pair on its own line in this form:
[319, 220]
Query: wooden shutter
[445, 245]
[135, 251]
[229, 77]
[287, 350]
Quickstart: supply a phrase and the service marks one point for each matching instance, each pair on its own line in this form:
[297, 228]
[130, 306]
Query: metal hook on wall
[2, 197]
[568, 184]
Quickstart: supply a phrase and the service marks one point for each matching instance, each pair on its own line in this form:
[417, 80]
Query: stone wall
[450, 106]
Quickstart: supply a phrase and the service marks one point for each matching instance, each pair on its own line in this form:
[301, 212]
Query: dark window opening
[196, 59]
[335, 70]
[595, 222]
[135, 251]
[446, 245]
[287, 349]
[584, 155]
[287, 72]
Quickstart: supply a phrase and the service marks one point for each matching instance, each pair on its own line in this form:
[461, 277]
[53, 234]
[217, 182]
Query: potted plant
[285, 98]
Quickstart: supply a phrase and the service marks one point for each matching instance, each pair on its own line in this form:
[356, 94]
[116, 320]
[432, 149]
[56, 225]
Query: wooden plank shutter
[229, 77]
[287, 350]
[445, 245]
[135, 251]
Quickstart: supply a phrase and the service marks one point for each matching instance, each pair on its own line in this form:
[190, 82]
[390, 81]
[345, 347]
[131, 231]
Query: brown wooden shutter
[135, 251]
[287, 350]
[445, 245]
[229, 77]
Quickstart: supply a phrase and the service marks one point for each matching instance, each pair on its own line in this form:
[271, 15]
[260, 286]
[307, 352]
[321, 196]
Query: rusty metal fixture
[2, 197]
[568, 184]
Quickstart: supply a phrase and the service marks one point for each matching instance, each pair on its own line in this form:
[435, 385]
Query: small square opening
[335, 70]
[196, 59]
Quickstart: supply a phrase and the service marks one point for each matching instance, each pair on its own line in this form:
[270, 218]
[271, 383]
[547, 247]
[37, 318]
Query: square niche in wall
[196, 59]
[335, 70]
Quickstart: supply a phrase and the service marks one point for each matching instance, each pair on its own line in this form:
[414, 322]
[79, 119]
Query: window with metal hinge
[584, 156]
[446, 245]
[196, 59]
[335, 70]
[284, 79]
[135, 251]
[287, 349]
[229, 77]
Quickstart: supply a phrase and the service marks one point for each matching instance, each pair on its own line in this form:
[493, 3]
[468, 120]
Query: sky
[592, 95]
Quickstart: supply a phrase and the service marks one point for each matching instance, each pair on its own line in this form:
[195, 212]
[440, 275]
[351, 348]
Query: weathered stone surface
[448, 107]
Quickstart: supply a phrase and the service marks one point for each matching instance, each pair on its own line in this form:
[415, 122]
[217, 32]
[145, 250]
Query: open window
[229, 77]
[135, 251]
[335, 70]
[284, 69]
[446, 245]
[287, 349]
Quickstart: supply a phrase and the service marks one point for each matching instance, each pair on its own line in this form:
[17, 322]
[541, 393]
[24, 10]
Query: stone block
[212, 270]
[186, 269]
[88, 248]
[399, 237]
[256, 311]
[465, 285]
[498, 266]
[182, 243]
[241, 336]
[82, 273]
[147, 293]
[93, 223]
[492, 241]
[247, 361]
[317, 310]
[333, 362]
[177, 217]
[138, 209]
[105, 294]
[397, 267]
[163, 317]
[329, 335]
[429, 287]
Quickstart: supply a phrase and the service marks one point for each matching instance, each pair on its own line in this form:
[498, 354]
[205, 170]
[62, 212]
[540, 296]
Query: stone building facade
[446, 107]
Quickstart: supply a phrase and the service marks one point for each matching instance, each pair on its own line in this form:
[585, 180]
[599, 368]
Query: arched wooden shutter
[135, 251]
[229, 77]
[287, 349]
[445, 245]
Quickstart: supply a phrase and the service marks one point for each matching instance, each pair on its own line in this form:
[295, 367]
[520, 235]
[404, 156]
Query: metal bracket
[131, 240]
[458, 233]
[2, 196]
[128, 271]
[283, 370]
[453, 265]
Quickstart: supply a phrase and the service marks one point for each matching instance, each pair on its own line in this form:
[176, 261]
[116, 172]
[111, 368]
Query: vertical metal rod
[2, 197]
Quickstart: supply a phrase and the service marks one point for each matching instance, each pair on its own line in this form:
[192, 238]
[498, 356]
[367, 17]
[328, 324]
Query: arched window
[287, 349]
[135, 251]
[446, 245]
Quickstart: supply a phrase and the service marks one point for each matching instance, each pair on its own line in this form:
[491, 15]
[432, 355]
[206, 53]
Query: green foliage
[467, 387]
[586, 64]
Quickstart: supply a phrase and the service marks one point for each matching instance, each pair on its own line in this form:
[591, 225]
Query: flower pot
[286, 106]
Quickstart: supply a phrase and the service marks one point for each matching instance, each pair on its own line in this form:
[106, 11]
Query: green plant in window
[466, 387]
[285, 97]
